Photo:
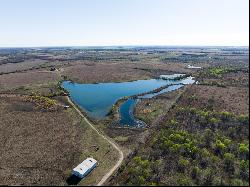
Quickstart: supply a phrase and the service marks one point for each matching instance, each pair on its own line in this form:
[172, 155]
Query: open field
[36, 146]
[27, 82]
[87, 72]
[42, 147]
[232, 99]
[16, 67]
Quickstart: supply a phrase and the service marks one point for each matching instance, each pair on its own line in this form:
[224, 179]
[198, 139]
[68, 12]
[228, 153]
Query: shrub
[219, 147]
[244, 151]
[175, 148]
[227, 142]
[218, 71]
[244, 165]
[215, 159]
[177, 138]
[167, 144]
[214, 120]
[173, 122]
[184, 181]
[204, 114]
[195, 172]
[207, 176]
[192, 98]
[183, 164]
[153, 184]
[41, 101]
[243, 118]
[217, 181]
[244, 169]
[232, 132]
[205, 153]
[141, 180]
[225, 116]
[229, 161]
[237, 182]
[208, 137]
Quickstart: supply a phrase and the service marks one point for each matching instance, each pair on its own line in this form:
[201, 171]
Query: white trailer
[193, 67]
[84, 168]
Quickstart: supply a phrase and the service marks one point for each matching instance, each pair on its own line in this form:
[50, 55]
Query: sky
[37, 23]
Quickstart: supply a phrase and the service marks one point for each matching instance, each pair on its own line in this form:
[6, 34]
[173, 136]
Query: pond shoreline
[123, 107]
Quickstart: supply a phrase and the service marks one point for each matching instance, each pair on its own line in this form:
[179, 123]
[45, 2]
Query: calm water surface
[97, 99]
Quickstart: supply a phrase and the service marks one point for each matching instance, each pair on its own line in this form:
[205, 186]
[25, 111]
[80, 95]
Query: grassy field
[30, 81]
[87, 72]
[29, 64]
[43, 146]
[36, 146]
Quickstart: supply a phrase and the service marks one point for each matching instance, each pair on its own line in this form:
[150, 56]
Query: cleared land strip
[121, 156]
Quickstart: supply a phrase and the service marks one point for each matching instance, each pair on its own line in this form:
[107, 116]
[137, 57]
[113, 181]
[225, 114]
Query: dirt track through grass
[121, 156]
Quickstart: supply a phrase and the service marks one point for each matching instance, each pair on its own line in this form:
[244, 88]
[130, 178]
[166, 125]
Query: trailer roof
[85, 165]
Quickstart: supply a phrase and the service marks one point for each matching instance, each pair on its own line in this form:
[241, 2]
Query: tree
[244, 151]
[208, 137]
[184, 181]
[237, 182]
[219, 147]
[243, 119]
[244, 169]
[195, 172]
[183, 164]
[225, 116]
[229, 162]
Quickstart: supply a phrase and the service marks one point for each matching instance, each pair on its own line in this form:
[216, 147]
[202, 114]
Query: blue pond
[97, 99]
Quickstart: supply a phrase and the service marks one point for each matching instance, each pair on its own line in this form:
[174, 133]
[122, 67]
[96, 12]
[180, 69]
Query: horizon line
[93, 46]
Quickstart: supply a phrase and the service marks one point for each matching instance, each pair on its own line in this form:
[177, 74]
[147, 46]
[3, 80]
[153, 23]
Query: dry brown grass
[92, 72]
[27, 80]
[236, 79]
[36, 147]
[42, 148]
[231, 99]
[12, 67]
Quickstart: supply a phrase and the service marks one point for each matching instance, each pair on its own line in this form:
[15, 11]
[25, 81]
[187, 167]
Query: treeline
[194, 147]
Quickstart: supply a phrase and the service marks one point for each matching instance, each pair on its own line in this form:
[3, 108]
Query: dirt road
[121, 156]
